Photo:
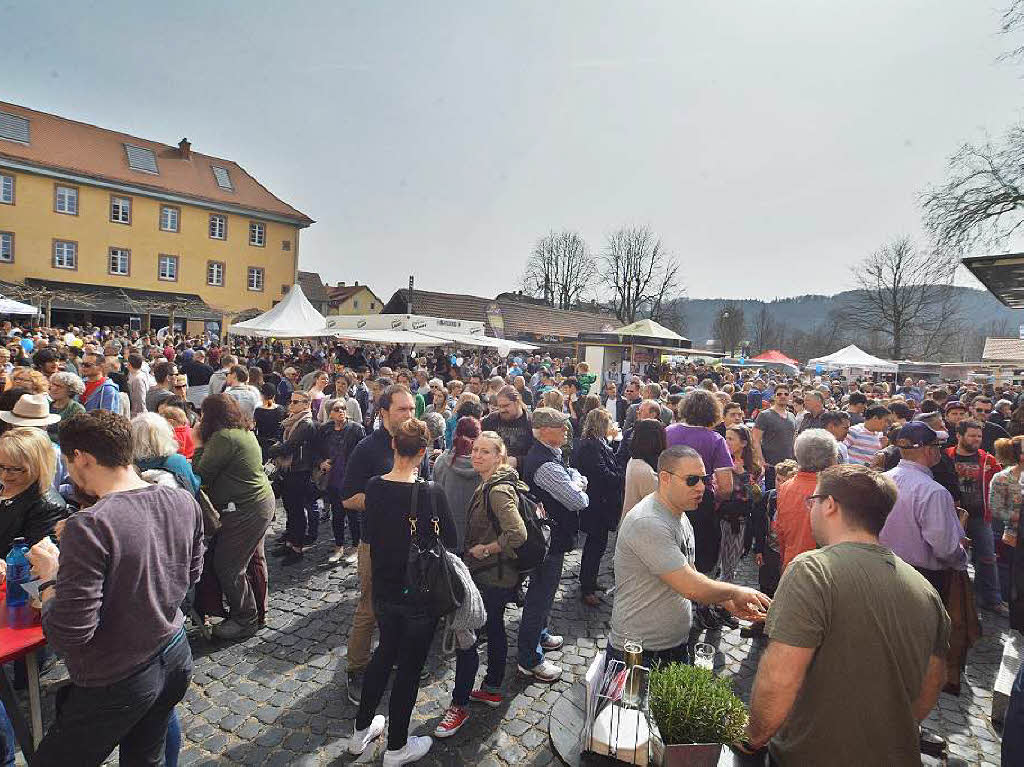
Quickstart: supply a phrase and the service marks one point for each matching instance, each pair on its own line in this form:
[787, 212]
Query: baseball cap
[548, 417]
[954, 405]
[916, 434]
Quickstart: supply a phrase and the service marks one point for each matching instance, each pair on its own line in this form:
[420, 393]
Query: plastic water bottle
[18, 572]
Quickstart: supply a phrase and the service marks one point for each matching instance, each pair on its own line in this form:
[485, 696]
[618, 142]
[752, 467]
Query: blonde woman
[1004, 499]
[28, 509]
[490, 545]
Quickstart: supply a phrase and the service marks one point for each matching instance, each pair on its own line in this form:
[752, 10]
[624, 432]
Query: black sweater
[386, 530]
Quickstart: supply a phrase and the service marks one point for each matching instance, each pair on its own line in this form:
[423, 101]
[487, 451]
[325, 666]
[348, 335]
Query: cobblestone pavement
[279, 698]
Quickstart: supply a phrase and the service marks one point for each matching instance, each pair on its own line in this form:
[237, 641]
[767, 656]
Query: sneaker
[488, 698]
[551, 642]
[230, 629]
[337, 556]
[452, 722]
[545, 671]
[355, 687]
[362, 738]
[415, 748]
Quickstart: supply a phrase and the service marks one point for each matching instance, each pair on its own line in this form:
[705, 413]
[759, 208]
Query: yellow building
[352, 299]
[115, 229]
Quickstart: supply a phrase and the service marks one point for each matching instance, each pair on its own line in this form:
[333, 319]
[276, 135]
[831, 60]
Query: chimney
[341, 284]
[185, 149]
[356, 283]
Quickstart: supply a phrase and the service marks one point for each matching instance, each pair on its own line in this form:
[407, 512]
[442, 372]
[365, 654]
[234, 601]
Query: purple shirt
[923, 528]
[711, 445]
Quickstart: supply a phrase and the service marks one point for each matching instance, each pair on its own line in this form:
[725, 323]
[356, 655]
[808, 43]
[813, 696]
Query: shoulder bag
[429, 576]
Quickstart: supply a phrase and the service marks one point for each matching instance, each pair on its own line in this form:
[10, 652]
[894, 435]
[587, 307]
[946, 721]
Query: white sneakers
[362, 738]
[415, 748]
[545, 671]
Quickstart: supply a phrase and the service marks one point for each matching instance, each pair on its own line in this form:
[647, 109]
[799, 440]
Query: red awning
[774, 355]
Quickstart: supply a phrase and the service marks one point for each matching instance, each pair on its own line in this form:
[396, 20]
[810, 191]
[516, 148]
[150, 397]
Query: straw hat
[30, 410]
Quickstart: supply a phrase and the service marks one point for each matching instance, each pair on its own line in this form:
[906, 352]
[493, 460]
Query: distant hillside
[983, 315]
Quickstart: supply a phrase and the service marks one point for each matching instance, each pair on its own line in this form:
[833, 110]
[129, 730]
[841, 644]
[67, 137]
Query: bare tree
[43, 297]
[908, 297]
[730, 327]
[560, 269]
[982, 201]
[765, 332]
[640, 275]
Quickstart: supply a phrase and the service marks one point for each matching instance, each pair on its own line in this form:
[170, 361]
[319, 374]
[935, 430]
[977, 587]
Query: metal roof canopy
[1002, 276]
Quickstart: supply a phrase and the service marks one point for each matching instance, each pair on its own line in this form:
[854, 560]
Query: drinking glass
[704, 656]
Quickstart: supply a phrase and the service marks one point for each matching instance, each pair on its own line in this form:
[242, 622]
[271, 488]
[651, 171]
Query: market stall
[852, 361]
[293, 317]
[418, 330]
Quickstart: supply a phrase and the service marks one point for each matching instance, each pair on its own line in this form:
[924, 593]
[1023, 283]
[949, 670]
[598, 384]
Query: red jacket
[988, 467]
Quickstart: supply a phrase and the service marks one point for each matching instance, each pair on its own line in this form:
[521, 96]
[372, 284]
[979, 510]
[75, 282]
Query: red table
[21, 635]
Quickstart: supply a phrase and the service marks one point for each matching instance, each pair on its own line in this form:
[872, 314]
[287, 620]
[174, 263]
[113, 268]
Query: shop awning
[1002, 275]
[114, 300]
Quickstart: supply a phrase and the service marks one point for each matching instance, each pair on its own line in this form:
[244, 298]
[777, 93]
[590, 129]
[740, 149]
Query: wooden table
[21, 636]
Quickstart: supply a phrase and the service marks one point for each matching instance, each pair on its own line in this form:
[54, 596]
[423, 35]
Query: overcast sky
[769, 144]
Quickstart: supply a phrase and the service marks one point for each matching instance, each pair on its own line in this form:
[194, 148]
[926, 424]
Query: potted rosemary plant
[696, 713]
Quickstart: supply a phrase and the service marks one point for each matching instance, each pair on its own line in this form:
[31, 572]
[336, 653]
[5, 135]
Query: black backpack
[534, 550]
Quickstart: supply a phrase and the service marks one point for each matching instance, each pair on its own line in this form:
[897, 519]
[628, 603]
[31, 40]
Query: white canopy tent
[418, 330]
[852, 358]
[293, 317]
[10, 306]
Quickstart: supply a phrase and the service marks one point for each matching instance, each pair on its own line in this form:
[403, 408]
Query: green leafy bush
[692, 705]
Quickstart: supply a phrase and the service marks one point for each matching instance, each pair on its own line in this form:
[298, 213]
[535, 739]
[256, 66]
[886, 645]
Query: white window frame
[218, 226]
[65, 254]
[123, 206]
[6, 247]
[257, 234]
[124, 255]
[165, 220]
[170, 274]
[212, 268]
[255, 285]
[66, 193]
[6, 189]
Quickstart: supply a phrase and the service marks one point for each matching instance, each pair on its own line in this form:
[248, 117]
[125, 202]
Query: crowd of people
[145, 474]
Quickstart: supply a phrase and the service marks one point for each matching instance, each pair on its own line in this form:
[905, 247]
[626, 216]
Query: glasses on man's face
[982, 411]
[11, 469]
[809, 500]
[691, 480]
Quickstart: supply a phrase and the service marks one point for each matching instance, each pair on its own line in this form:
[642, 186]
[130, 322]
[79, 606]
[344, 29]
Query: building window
[65, 254]
[215, 274]
[169, 217]
[7, 189]
[66, 199]
[257, 234]
[218, 227]
[168, 268]
[121, 210]
[120, 261]
[7, 247]
[373, 305]
[355, 303]
[255, 278]
[286, 244]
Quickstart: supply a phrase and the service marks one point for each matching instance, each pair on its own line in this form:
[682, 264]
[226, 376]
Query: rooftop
[49, 141]
[1002, 275]
[1003, 350]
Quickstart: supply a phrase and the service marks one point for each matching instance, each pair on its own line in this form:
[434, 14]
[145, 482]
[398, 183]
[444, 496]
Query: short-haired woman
[65, 389]
[229, 462]
[646, 443]
[406, 629]
[494, 530]
[156, 453]
[595, 460]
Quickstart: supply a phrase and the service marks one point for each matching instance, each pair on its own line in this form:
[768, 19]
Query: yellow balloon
[77, 342]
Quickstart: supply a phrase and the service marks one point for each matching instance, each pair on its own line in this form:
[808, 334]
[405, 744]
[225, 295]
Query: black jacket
[30, 515]
[605, 483]
[299, 446]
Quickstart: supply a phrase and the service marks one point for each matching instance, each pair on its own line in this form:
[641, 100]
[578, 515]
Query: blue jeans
[172, 747]
[1004, 559]
[468, 661]
[983, 555]
[1013, 725]
[8, 741]
[533, 626]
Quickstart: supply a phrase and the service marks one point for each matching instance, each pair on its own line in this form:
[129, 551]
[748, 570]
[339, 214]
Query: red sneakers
[452, 722]
[492, 699]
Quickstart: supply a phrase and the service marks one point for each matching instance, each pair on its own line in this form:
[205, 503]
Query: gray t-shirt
[652, 541]
[777, 435]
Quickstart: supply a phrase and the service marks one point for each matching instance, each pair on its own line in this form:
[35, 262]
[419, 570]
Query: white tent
[293, 317]
[10, 306]
[416, 329]
[852, 358]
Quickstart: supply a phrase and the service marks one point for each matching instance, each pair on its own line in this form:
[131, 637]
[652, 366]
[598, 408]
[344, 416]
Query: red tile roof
[75, 147]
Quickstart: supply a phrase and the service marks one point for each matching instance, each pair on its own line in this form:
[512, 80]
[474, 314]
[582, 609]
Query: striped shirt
[862, 444]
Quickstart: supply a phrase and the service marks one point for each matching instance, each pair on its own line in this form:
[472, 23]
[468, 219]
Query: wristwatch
[45, 585]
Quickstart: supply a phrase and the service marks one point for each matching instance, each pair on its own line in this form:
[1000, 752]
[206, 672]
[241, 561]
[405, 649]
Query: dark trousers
[405, 636]
[133, 713]
[590, 562]
[1013, 724]
[297, 497]
[339, 515]
[468, 661]
[769, 573]
[769, 477]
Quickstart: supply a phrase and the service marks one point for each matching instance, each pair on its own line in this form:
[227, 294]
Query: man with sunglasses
[981, 409]
[773, 434]
[655, 579]
[813, 673]
[100, 392]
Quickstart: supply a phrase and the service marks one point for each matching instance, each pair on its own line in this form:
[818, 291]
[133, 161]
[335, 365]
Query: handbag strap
[413, 511]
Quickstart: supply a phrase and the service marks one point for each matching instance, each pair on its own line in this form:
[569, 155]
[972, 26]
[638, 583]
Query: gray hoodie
[458, 479]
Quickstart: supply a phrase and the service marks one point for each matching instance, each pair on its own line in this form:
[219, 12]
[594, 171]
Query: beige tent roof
[648, 328]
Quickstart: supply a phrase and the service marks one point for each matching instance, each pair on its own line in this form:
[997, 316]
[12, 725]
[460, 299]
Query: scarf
[292, 420]
[91, 386]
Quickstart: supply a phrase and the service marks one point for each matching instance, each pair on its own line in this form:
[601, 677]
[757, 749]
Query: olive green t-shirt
[874, 621]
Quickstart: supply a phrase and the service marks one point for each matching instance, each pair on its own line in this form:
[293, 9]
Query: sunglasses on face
[691, 480]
